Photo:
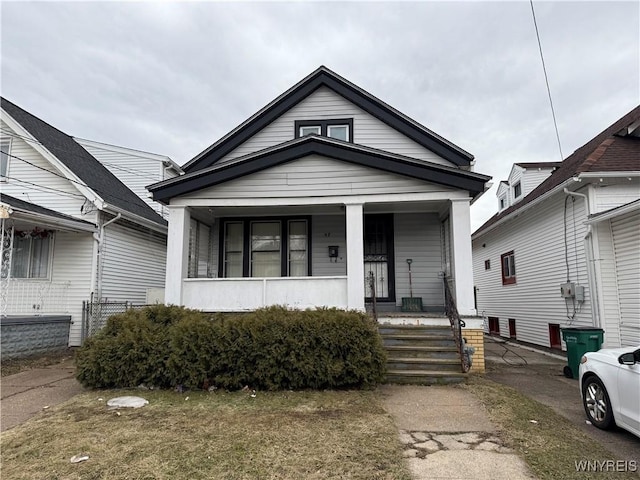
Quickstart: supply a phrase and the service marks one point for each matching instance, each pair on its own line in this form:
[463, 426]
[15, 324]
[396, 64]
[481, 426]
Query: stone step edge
[424, 373]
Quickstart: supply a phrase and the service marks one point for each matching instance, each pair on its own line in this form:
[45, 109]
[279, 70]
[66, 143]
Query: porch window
[233, 249]
[199, 250]
[265, 247]
[5, 147]
[31, 254]
[508, 268]
[298, 239]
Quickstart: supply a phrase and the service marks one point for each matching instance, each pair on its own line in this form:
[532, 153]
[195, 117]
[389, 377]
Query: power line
[42, 187]
[76, 182]
[546, 79]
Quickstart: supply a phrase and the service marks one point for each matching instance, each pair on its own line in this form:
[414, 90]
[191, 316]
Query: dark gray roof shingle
[88, 169]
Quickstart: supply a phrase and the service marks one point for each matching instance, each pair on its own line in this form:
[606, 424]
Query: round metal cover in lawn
[127, 402]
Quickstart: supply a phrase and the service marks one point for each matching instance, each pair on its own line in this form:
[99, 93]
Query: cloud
[172, 78]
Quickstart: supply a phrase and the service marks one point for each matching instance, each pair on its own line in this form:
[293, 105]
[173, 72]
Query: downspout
[588, 248]
[99, 237]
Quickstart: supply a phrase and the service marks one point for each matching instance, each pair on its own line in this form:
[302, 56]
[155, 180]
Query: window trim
[324, 124]
[502, 202]
[246, 243]
[47, 278]
[516, 187]
[5, 141]
[509, 278]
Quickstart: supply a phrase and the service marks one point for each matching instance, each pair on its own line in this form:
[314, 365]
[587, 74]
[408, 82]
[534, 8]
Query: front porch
[243, 257]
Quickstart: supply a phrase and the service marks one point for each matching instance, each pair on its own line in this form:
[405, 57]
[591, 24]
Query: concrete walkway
[25, 394]
[446, 434]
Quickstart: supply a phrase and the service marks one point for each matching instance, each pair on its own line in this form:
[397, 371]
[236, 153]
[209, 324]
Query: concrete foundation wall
[25, 336]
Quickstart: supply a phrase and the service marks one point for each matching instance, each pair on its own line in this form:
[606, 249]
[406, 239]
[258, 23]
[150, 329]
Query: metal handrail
[456, 325]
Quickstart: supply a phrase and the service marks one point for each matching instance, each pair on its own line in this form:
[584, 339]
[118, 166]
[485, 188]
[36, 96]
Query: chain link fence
[96, 314]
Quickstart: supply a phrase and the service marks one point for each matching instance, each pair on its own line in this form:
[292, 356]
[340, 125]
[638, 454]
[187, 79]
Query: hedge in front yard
[272, 348]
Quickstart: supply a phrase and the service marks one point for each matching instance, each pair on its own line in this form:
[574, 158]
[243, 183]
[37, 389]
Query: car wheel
[596, 403]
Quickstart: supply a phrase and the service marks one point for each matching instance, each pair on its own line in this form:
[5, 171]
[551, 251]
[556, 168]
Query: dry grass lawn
[550, 447]
[282, 435]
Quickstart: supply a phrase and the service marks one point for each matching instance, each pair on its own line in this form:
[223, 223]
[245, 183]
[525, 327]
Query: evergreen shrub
[272, 348]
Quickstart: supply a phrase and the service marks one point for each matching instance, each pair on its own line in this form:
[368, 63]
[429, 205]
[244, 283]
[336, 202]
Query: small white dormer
[503, 196]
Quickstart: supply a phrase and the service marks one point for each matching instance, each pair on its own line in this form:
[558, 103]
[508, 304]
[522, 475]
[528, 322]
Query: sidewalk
[25, 394]
[447, 435]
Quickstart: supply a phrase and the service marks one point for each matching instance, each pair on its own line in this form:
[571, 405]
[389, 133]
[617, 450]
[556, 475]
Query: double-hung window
[31, 254]
[199, 250]
[340, 129]
[265, 247]
[508, 268]
[5, 147]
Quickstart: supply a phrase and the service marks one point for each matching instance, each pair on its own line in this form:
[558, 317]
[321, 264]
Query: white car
[610, 387]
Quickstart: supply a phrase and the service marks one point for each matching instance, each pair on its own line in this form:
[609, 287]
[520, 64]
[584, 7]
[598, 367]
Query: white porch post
[355, 257]
[461, 252]
[177, 253]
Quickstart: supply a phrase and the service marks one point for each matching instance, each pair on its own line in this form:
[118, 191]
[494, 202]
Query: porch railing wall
[35, 297]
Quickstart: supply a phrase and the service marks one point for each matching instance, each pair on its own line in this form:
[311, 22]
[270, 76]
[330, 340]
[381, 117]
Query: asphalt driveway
[539, 376]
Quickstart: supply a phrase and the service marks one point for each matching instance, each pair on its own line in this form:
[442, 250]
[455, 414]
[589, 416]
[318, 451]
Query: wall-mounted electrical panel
[567, 290]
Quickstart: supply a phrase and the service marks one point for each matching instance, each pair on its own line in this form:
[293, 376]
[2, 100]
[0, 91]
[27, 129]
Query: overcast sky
[172, 78]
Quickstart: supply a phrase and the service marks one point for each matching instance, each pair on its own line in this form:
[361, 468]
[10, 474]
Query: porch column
[461, 252]
[355, 256]
[177, 253]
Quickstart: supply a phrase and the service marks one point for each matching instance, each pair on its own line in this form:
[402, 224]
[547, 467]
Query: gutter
[524, 208]
[54, 222]
[138, 219]
[589, 251]
[99, 238]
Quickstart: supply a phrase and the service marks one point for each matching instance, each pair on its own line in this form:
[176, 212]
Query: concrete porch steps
[421, 355]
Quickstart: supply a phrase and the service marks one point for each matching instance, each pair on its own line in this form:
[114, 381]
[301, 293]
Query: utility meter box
[579, 291]
[567, 290]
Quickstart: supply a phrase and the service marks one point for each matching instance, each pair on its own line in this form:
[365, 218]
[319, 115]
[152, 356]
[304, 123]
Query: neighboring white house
[134, 168]
[71, 230]
[322, 189]
[564, 248]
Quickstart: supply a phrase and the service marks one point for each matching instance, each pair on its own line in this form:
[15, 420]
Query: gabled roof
[328, 147]
[27, 207]
[89, 170]
[615, 149]
[325, 77]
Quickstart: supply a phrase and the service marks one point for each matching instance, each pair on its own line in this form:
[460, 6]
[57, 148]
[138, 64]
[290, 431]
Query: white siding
[47, 186]
[537, 239]
[605, 262]
[613, 193]
[72, 262]
[316, 176]
[328, 230]
[626, 240]
[324, 103]
[418, 236]
[533, 177]
[133, 168]
[133, 260]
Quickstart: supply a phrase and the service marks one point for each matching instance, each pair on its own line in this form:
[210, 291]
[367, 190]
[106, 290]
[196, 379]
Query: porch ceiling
[208, 214]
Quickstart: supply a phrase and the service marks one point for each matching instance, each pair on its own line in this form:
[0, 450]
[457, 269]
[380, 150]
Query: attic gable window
[340, 128]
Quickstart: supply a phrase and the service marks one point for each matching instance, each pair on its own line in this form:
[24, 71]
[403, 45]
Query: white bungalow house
[564, 248]
[71, 231]
[324, 188]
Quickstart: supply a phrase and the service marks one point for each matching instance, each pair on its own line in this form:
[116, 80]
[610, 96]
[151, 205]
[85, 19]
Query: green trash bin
[580, 340]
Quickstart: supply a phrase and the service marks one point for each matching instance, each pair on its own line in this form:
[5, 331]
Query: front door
[378, 257]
